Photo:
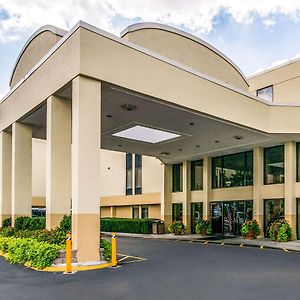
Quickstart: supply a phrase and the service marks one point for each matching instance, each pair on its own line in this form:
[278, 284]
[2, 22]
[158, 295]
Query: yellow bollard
[69, 254]
[113, 249]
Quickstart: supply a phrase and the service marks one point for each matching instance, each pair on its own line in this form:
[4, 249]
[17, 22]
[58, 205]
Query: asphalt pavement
[161, 269]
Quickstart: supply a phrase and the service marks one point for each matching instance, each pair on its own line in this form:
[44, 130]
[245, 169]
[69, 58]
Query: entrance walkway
[238, 241]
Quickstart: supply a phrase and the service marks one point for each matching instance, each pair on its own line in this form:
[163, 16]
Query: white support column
[58, 174]
[21, 170]
[258, 181]
[166, 199]
[186, 205]
[5, 176]
[86, 141]
[289, 185]
[206, 186]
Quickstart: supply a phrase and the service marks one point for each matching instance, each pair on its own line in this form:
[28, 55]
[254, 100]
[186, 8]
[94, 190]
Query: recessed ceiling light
[197, 146]
[120, 146]
[238, 137]
[217, 142]
[128, 107]
[146, 134]
[108, 116]
[165, 153]
[192, 124]
[179, 149]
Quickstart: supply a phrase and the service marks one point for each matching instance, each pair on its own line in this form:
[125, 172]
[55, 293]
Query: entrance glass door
[228, 217]
[217, 217]
[273, 210]
[197, 214]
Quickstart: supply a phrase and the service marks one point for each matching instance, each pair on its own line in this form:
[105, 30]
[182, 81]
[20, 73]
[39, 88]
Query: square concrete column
[58, 171]
[86, 137]
[206, 186]
[289, 185]
[186, 205]
[5, 176]
[21, 191]
[166, 198]
[258, 182]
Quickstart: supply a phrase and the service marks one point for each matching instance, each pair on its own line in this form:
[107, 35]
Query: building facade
[155, 123]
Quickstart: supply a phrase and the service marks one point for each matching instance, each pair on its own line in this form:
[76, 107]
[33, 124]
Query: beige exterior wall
[285, 80]
[184, 50]
[38, 168]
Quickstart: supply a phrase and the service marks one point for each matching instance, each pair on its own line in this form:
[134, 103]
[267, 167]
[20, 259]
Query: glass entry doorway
[298, 218]
[196, 215]
[227, 217]
[273, 210]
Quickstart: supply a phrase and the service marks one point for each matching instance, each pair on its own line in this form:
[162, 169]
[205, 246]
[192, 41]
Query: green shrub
[28, 223]
[6, 222]
[177, 227]
[280, 231]
[204, 227]
[29, 251]
[65, 224]
[126, 225]
[107, 249]
[7, 231]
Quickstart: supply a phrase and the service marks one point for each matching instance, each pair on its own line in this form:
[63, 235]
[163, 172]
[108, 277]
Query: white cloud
[196, 15]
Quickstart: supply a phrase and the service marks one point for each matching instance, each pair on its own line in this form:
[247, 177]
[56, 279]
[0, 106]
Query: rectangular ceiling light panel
[146, 134]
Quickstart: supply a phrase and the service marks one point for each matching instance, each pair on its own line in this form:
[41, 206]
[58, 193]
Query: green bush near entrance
[6, 222]
[29, 252]
[126, 225]
[204, 227]
[280, 231]
[29, 223]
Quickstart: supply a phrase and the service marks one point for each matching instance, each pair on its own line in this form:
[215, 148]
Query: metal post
[69, 254]
[113, 249]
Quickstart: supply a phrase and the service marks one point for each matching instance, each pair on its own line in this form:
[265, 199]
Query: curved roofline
[153, 25]
[53, 29]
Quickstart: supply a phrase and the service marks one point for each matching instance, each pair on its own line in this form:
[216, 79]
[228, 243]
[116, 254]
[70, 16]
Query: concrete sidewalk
[260, 242]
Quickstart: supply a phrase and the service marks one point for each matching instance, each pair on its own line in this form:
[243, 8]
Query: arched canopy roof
[187, 49]
[38, 44]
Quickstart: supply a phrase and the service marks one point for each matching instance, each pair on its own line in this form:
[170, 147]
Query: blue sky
[254, 34]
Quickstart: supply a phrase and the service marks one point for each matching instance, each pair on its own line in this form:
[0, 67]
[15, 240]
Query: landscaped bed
[30, 244]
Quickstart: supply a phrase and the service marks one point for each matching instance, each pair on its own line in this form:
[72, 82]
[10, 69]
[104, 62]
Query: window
[265, 93]
[177, 212]
[232, 170]
[274, 165]
[177, 178]
[138, 174]
[273, 210]
[145, 212]
[135, 212]
[197, 175]
[298, 161]
[128, 174]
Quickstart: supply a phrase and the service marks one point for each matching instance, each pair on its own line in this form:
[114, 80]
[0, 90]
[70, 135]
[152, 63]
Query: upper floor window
[232, 170]
[274, 165]
[197, 175]
[298, 161]
[265, 93]
[138, 174]
[177, 178]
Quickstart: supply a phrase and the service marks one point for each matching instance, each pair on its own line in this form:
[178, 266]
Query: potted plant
[250, 229]
[177, 228]
[280, 231]
[204, 227]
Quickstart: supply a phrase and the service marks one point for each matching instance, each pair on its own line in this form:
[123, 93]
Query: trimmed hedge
[6, 222]
[126, 225]
[29, 223]
[29, 252]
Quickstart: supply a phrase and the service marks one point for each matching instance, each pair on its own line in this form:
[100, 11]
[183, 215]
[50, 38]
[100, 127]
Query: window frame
[180, 165]
[266, 87]
[193, 173]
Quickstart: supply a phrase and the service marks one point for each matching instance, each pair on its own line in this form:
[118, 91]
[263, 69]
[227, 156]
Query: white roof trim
[142, 50]
[152, 25]
[53, 29]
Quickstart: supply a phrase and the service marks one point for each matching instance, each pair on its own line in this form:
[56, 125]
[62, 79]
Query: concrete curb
[292, 246]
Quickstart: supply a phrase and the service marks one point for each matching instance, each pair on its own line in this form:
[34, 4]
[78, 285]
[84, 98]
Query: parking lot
[159, 269]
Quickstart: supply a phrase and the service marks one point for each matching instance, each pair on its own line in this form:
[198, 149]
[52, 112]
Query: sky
[255, 34]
